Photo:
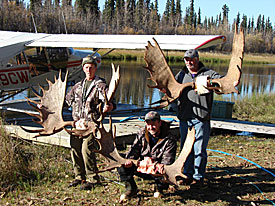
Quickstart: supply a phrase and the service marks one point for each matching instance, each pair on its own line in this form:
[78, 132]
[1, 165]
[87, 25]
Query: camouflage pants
[83, 157]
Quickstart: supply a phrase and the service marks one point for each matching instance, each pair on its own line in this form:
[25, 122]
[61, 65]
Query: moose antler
[108, 149]
[161, 74]
[175, 169]
[113, 83]
[50, 108]
[226, 84]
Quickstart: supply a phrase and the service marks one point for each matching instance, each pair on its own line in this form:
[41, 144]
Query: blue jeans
[195, 164]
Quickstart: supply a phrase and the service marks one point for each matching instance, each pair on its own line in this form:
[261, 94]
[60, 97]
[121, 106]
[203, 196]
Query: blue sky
[250, 8]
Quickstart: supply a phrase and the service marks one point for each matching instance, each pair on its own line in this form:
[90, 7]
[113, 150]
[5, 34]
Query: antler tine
[31, 131]
[113, 83]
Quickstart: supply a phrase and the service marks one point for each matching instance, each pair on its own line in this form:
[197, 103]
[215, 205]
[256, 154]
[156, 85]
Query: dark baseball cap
[191, 53]
[153, 115]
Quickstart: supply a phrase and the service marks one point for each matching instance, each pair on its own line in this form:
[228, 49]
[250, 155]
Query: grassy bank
[230, 180]
[257, 108]
[176, 56]
[39, 175]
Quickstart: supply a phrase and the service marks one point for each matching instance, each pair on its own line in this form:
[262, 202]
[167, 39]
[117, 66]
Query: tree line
[133, 17]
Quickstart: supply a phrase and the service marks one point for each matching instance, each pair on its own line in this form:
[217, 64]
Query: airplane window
[17, 60]
[57, 53]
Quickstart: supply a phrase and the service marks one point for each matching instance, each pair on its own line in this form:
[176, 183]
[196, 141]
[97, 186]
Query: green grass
[257, 108]
[177, 56]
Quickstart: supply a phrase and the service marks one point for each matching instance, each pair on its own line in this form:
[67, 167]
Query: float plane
[28, 59]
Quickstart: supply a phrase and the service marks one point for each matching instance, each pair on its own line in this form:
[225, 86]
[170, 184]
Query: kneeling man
[154, 146]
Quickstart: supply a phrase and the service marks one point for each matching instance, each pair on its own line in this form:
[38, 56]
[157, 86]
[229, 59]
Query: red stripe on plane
[15, 69]
[210, 40]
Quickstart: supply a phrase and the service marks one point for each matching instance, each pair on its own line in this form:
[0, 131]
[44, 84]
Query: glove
[201, 85]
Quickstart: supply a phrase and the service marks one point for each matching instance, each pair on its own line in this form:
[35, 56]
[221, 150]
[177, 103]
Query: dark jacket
[190, 104]
[164, 151]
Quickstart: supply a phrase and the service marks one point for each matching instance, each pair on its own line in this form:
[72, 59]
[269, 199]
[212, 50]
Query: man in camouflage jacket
[84, 98]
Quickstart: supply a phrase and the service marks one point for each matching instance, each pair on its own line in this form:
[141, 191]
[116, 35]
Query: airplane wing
[166, 42]
[12, 43]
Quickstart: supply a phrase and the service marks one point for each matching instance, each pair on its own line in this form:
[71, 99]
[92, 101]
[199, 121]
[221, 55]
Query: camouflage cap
[91, 59]
[153, 115]
[191, 53]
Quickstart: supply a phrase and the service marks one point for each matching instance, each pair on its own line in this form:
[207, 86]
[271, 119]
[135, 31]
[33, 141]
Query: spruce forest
[133, 17]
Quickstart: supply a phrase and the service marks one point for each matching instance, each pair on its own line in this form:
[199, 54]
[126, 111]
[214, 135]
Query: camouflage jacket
[84, 106]
[164, 150]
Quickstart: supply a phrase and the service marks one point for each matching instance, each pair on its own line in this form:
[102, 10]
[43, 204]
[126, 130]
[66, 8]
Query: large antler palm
[161, 74]
[50, 108]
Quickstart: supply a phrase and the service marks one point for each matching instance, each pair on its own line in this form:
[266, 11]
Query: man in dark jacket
[84, 98]
[154, 142]
[194, 110]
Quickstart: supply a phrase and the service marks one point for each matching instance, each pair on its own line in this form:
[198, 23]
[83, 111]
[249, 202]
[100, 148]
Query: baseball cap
[191, 53]
[153, 115]
[91, 59]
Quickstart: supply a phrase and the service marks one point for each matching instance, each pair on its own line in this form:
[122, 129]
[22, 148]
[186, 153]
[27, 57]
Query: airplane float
[53, 52]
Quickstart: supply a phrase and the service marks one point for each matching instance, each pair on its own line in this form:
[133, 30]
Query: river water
[133, 84]
[133, 87]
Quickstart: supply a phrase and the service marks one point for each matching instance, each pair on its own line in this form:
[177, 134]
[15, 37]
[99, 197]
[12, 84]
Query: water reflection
[133, 85]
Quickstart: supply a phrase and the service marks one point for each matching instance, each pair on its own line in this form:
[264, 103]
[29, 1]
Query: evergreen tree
[139, 15]
[238, 19]
[167, 10]
[199, 16]
[244, 22]
[92, 7]
[259, 23]
[252, 24]
[263, 24]
[154, 18]
[108, 15]
[192, 13]
[225, 11]
[130, 6]
[178, 14]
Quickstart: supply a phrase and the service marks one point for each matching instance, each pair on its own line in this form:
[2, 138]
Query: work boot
[131, 190]
[88, 185]
[197, 184]
[185, 181]
[75, 183]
